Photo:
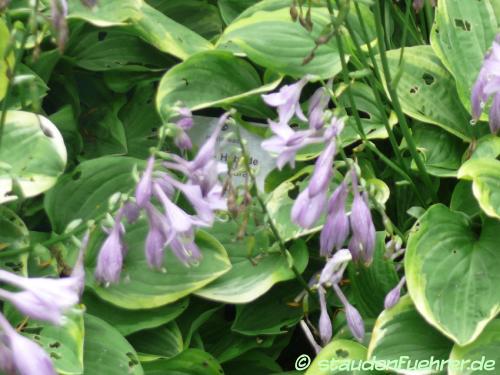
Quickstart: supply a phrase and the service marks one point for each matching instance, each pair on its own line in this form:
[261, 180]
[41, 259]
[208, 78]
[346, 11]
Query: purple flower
[157, 238]
[23, 354]
[186, 118]
[323, 170]
[325, 323]
[287, 101]
[286, 142]
[363, 230]
[59, 12]
[336, 228]
[393, 296]
[334, 269]
[185, 249]
[144, 188]
[307, 209]
[487, 85]
[111, 254]
[45, 298]
[354, 319]
[317, 105]
[131, 211]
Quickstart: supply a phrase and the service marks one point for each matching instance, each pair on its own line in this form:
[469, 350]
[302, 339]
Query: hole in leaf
[102, 35]
[428, 79]
[133, 360]
[293, 193]
[365, 115]
[342, 353]
[55, 344]
[55, 355]
[414, 90]
[463, 24]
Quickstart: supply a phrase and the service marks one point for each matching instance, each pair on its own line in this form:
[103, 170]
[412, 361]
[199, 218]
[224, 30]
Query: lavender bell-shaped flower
[6, 361]
[394, 295]
[157, 237]
[287, 100]
[144, 189]
[325, 323]
[184, 123]
[111, 255]
[487, 85]
[317, 105]
[354, 319]
[27, 357]
[310, 204]
[363, 230]
[45, 298]
[286, 142]
[334, 267]
[336, 228]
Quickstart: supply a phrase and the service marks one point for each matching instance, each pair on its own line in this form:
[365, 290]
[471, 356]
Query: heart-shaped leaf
[452, 272]
[32, 155]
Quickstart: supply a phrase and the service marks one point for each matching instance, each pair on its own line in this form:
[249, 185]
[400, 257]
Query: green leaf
[336, 357]
[427, 90]
[251, 363]
[401, 330]
[452, 272]
[485, 177]
[485, 350]
[371, 284]
[32, 156]
[230, 9]
[144, 288]
[487, 147]
[107, 12]
[64, 345]
[13, 231]
[462, 34]
[271, 39]
[226, 345]
[130, 321]
[167, 35]
[86, 190]
[106, 351]
[102, 50]
[189, 362]
[4, 63]
[255, 269]
[463, 200]
[272, 314]
[198, 15]
[210, 79]
[442, 153]
[160, 342]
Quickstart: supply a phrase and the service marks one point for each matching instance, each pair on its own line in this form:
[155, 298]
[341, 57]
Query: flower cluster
[331, 276]
[169, 225]
[41, 299]
[311, 202]
[487, 85]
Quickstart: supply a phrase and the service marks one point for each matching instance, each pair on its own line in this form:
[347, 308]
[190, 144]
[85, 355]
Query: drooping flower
[317, 105]
[287, 101]
[325, 323]
[394, 295]
[336, 228]
[111, 255]
[157, 237]
[362, 243]
[487, 85]
[144, 188]
[334, 269]
[310, 204]
[22, 354]
[287, 142]
[45, 298]
[353, 317]
[184, 123]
